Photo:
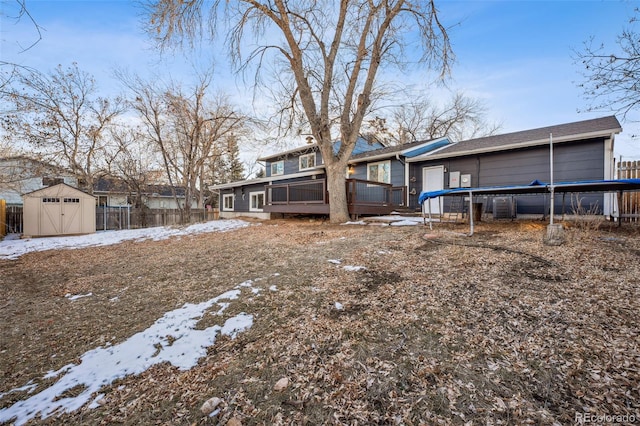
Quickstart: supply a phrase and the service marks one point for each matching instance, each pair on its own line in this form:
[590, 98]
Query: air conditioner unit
[504, 208]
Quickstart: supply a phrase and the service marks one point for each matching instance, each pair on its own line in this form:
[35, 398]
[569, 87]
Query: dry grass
[493, 329]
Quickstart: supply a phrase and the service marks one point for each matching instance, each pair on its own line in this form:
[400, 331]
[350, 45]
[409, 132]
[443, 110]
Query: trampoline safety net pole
[551, 187]
[470, 213]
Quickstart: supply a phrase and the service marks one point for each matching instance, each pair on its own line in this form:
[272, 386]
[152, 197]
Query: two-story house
[381, 179]
[20, 175]
[295, 182]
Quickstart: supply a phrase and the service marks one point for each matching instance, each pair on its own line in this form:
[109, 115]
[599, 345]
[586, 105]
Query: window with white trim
[227, 202]
[277, 168]
[307, 161]
[379, 172]
[256, 201]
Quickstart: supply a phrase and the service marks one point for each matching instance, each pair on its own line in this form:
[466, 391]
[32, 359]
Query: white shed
[58, 210]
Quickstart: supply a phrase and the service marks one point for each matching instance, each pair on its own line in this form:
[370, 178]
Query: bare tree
[461, 118]
[59, 115]
[8, 149]
[17, 13]
[330, 51]
[129, 160]
[185, 129]
[612, 78]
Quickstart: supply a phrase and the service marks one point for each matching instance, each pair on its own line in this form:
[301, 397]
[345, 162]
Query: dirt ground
[437, 328]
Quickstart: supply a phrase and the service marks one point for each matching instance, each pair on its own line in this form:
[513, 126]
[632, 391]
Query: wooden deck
[310, 197]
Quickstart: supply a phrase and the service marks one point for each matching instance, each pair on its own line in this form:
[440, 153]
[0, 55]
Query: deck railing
[366, 192]
[359, 193]
[304, 192]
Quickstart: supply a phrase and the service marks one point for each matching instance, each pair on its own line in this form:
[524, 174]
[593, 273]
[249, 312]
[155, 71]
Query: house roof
[114, 185]
[362, 145]
[410, 149]
[579, 130]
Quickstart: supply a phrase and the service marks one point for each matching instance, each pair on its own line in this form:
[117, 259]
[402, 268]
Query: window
[227, 202]
[379, 172]
[72, 200]
[51, 200]
[256, 201]
[277, 168]
[307, 161]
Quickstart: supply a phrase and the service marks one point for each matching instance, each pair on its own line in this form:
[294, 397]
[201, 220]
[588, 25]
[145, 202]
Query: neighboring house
[115, 193]
[382, 179]
[21, 175]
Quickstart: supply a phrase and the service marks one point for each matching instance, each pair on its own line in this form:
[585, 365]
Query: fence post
[3, 218]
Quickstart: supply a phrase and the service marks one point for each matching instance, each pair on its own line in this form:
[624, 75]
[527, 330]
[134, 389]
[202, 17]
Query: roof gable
[61, 190]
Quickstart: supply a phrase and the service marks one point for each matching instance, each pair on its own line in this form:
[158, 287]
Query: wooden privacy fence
[12, 220]
[629, 203]
[146, 218]
[111, 218]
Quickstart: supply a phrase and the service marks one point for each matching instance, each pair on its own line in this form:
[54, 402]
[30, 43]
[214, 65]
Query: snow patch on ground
[392, 220]
[172, 338]
[12, 248]
[77, 296]
[353, 268]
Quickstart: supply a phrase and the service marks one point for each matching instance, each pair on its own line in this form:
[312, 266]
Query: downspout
[609, 199]
[406, 178]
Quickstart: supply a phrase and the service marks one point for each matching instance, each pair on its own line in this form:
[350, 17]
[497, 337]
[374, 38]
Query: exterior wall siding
[572, 162]
[396, 175]
[292, 163]
[242, 197]
[583, 161]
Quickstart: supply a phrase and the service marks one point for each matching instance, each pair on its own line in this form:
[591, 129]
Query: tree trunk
[336, 186]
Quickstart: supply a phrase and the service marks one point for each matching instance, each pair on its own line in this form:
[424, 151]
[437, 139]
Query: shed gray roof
[578, 130]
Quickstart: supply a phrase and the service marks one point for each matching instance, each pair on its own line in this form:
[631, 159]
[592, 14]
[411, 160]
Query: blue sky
[515, 55]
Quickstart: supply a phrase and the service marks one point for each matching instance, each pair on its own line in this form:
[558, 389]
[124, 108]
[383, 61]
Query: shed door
[50, 214]
[433, 180]
[71, 216]
[60, 215]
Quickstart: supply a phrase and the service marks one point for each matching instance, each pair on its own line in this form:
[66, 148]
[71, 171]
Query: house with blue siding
[381, 179]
